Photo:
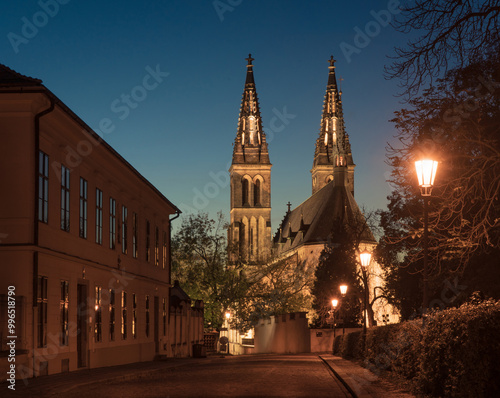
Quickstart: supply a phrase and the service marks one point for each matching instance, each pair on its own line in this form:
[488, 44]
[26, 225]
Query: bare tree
[450, 34]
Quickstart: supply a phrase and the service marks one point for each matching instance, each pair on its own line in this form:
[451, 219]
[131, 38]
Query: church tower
[332, 146]
[250, 174]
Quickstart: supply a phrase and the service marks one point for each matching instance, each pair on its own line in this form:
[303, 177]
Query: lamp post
[365, 258]
[426, 173]
[227, 315]
[343, 292]
[335, 303]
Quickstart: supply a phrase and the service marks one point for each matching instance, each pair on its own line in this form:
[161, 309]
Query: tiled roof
[9, 77]
[318, 219]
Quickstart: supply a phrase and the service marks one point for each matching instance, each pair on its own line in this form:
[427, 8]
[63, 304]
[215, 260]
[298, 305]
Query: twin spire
[332, 146]
[250, 145]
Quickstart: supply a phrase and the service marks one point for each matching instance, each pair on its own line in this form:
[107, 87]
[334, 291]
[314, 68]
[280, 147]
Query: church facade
[306, 230]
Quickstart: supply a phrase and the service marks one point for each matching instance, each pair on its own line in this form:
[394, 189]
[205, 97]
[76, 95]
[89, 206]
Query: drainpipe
[177, 214]
[35, 220]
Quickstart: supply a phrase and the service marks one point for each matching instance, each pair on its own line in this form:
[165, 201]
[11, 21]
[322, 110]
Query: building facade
[84, 241]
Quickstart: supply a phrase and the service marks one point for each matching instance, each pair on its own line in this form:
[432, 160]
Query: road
[247, 376]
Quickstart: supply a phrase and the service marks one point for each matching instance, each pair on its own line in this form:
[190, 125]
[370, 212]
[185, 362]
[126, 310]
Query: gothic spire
[250, 145]
[332, 145]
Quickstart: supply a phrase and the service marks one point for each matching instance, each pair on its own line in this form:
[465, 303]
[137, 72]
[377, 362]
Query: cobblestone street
[292, 376]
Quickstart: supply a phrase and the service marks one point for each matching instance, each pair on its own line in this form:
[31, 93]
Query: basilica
[306, 230]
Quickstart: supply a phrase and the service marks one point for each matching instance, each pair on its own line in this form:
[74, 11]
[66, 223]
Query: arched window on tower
[244, 192]
[256, 193]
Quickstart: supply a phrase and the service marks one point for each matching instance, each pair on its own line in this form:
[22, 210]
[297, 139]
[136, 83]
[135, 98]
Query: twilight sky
[177, 126]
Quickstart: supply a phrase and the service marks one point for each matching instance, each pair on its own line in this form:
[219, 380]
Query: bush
[352, 346]
[408, 340]
[337, 344]
[457, 353]
[460, 352]
[379, 346]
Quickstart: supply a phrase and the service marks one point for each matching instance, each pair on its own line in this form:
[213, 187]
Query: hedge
[457, 353]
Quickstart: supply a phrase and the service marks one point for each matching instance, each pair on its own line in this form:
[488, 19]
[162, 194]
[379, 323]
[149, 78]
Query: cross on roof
[289, 205]
[332, 61]
[249, 59]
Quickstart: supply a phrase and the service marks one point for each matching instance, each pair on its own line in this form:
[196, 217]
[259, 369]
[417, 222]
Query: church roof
[9, 77]
[320, 218]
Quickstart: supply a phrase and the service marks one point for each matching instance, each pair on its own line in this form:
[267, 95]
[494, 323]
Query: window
[111, 314]
[98, 315]
[112, 223]
[83, 208]
[164, 310]
[157, 250]
[134, 316]
[164, 251]
[134, 235]
[256, 193]
[64, 198]
[42, 311]
[124, 229]
[43, 187]
[244, 192]
[148, 252]
[98, 216]
[63, 309]
[147, 316]
[124, 315]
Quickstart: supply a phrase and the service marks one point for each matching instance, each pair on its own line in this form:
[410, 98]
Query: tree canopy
[250, 291]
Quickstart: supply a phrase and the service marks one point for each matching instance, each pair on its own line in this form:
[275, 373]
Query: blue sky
[178, 130]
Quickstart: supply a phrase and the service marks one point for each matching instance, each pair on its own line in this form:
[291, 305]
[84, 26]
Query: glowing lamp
[365, 257]
[343, 289]
[426, 173]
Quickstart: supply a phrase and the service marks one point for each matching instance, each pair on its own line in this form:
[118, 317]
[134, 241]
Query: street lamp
[426, 173]
[335, 303]
[343, 291]
[365, 258]
[227, 315]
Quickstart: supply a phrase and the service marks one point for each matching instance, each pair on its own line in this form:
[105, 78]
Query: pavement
[361, 381]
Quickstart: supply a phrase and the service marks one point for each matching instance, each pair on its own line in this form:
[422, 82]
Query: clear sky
[177, 127]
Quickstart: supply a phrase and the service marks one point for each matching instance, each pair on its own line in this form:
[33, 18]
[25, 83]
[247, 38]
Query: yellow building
[84, 241]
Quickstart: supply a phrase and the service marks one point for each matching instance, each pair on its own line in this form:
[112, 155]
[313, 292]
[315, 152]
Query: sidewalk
[61, 384]
[362, 381]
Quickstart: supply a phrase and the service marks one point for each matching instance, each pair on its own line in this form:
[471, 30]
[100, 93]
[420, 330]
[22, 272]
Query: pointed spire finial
[332, 62]
[249, 59]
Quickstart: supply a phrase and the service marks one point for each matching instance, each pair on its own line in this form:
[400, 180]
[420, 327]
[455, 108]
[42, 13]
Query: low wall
[322, 339]
[283, 334]
[185, 329]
